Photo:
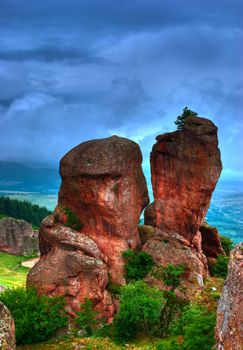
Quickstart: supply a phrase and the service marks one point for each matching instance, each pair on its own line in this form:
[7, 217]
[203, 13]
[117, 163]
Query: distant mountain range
[19, 177]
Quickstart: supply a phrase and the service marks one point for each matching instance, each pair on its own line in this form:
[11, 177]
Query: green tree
[180, 121]
[138, 264]
[36, 318]
[140, 311]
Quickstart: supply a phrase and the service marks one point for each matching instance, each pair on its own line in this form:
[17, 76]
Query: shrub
[113, 288]
[227, 244]
[172, 274]
[36, 318]
[168, 344]
[72, 220]
[138, 264]
[180, 121]
[173, 308]
[220, 269]
[196, 325]
[140, 311]
[86, 319]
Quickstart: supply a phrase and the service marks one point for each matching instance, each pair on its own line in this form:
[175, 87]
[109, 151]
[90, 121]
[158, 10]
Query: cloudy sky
[77, 70]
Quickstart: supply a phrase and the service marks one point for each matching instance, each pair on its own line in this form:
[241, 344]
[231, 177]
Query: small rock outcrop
[185, 167]
[7, 329]
[17, 237]
[175, 249]
[229, 328]
[211, 244]
[102, 195]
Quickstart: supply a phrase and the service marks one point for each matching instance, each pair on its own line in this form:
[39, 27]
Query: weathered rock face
[185, 167]
[18, 237]
[7, 329]
[211, 244]
[71, 265]
[102, 194]
[168, 248]
[104, 186]
[229, 328]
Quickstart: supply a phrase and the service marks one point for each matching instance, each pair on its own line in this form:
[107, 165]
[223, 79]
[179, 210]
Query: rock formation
[211, 244]
[168, 248]
[185, 167]
[18, 237]
[102, 195]
[7, 329]
[229, 328]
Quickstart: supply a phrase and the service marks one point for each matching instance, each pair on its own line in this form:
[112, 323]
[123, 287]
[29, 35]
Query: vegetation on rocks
[220, 269]
[227, 244]
[180, 121]
[72, 220]
[172, 274]
[138, 264]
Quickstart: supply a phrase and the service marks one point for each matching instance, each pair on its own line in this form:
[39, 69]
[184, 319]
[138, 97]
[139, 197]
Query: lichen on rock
[7, 329]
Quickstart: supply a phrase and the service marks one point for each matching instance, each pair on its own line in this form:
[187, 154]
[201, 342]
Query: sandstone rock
[185, 167]
[102, 195]
[18, 237]
[229, 328]
[7, 329]
[104, 187]
[170, 248]
[71, 266]
[211, 244]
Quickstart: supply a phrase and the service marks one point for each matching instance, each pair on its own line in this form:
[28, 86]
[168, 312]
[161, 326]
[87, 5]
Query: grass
[12, 274]
[91, 344]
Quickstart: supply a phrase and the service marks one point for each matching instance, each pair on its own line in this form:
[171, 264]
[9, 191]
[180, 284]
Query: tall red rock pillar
[185, 167]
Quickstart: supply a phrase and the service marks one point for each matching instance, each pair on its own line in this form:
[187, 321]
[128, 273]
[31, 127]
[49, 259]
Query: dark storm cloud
[75, 70]
[50, 54]
[129, 15]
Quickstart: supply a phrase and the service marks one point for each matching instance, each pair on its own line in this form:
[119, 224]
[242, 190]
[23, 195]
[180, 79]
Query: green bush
[227, 244]
[168, 344]
[86, 319]
[113, 288]
[180, 121]
[36, 318]
[172, 274]
[197, 326]
[138, 264]
[220, 269]
[140, 311]
[72, 220]
[173, 308]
